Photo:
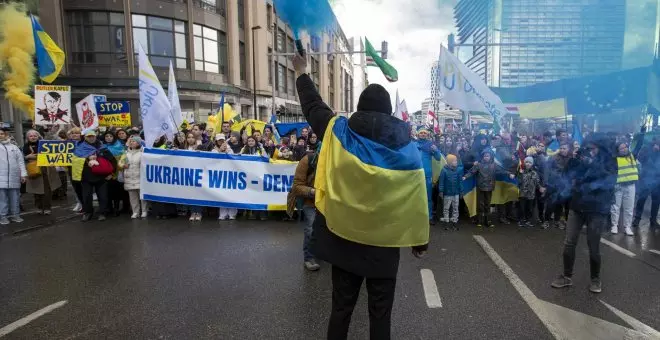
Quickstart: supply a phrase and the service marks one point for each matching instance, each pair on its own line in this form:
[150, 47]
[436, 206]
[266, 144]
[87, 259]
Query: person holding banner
[221, 146]
[12, 174]
[42, 180]
[252, 148]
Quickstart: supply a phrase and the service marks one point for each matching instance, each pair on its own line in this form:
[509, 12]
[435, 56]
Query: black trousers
[644, 192]
[483, 205]
[345, 292]
[595, 224]
[540, 205]
[101, 188]
[556, 208]
[526, 209]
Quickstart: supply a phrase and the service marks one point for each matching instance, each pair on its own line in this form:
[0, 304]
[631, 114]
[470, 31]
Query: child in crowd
[486, 170]
[130, 163]
[223, 147]
[12, 174]
[529, 182]
[449, 187]
[285, 154]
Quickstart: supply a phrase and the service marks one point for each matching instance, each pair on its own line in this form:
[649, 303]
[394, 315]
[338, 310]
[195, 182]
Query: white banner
[215, 180]
[463, 89]
[154, 105]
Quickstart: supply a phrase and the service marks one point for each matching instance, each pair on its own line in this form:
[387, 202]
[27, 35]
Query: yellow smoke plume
[16, 53]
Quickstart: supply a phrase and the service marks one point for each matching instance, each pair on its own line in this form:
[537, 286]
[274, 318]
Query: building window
[280, 41]
[222, 57]
[242, 56]
[269, 16]
[290, 47]
[241, 13]
[281, 79]
[270, 66]
[96, 38]
[216, 6]
[164, 40]
[292, 82]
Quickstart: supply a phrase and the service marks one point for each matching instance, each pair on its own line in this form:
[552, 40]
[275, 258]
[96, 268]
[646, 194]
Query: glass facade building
[523, 42]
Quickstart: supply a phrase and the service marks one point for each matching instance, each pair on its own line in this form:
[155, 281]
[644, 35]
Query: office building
[523, 42]
[210, 43]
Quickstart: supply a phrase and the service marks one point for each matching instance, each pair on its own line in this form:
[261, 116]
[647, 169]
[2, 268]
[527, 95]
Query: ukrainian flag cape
[506, 190]
[369, 193]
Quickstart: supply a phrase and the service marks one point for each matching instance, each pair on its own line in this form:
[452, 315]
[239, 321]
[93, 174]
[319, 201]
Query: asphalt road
[152, 279]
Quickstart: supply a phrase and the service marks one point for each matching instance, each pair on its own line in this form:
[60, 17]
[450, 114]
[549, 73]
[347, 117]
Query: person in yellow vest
[624, 191]
[370, 198]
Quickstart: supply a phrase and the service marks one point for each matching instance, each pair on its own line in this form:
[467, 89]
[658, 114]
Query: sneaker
[222, 218]
[629, 232]
[144, 215]
[595, 286]
[86, 217]
[16, 219]
[521, 223]
[529, 224]
[504, 221]
[47, 212]
[198, 217]
[192, 217]
[135, 215]
[545, 225]
[559, 225]
[614, 230]
[231, 218]
[480, 226]
[77, 208]
[562, 282]
[312, 266]
[101, 218]
[4, 221]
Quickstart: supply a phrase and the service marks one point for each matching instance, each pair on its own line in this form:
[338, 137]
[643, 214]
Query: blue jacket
[450, 180]
[424, 146]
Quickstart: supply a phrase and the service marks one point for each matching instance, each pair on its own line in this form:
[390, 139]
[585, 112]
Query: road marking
[636, 324]
[24, 321]
[618, 248]
[657, 252]
[562, 322]
[430, 289]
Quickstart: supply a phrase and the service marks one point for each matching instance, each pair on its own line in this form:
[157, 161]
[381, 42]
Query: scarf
[116, 148]
[84, 149]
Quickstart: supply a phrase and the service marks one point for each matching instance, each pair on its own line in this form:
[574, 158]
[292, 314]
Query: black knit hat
[375, 98]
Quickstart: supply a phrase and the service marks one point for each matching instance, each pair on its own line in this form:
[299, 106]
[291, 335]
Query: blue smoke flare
[313, 16]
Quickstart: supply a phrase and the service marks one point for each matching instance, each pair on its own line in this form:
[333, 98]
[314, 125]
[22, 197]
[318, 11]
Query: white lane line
[24, 321]
[430, 289]
[657, 252]
[636, 324]
[618, 248]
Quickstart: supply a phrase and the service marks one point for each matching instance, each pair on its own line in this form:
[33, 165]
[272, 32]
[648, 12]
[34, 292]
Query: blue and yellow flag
[50, 57]
[436, 167]
[369, 193]
[506, 190]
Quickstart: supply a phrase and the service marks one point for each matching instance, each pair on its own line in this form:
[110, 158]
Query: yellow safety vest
[627, 169]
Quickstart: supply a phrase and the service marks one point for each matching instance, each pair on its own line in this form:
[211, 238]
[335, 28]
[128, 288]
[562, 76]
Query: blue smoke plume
[313, 16]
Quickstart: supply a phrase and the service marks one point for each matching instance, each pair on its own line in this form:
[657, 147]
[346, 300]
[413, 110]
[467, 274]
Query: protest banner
[55, 153]
[114, 113]
[86, 117]
[215, 180]
[52, 105]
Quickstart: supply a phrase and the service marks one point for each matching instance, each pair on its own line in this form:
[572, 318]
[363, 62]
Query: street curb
[56, 221]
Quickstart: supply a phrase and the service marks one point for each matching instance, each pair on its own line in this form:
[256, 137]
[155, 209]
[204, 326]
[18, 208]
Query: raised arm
[317, 113]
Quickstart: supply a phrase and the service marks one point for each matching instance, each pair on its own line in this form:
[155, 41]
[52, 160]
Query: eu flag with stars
[603, 93]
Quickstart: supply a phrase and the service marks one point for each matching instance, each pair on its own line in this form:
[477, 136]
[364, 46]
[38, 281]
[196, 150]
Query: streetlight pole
[254, 72]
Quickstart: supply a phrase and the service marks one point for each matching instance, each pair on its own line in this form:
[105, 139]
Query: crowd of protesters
[109, 169]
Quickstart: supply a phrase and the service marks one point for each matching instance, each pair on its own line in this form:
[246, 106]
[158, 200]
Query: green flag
[373, 59]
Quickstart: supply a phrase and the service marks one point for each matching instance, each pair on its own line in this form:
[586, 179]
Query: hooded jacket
[486, 172]
[594, 180]
[12, 165]
[374, 121]
[450, 180]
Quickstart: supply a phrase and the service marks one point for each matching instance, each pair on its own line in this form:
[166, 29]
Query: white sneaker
[135, 215]
[192, 217]
[231, 218]
[77, 208]
[222, 218]
[4, 221]
[198, 217]
[614, 230]
[629, 232]
[144, 215]
[16, 219]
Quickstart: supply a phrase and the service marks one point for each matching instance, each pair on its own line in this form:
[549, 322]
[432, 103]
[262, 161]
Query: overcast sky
[416, 28]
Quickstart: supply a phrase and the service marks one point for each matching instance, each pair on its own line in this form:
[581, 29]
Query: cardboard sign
[52, 105]
[55, 153]
[114, 113]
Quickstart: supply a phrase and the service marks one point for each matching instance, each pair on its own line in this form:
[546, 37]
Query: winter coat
[450, 181]
[12, 166]
[359, 259]
[557, 179]
[37, 185]
[428, 155]
[594, 181]
[132, 158]
[529, 181]
[486, 173]
[87, 174]
[650, 174]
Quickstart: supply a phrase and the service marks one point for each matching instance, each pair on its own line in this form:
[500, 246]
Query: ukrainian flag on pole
[50, 57]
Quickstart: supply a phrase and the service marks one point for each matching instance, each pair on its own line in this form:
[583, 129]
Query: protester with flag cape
[357, 229]
[429, 152]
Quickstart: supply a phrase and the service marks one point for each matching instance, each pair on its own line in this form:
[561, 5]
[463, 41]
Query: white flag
[154, 105]
[401, 110]
[463, 89]
[173, 97]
